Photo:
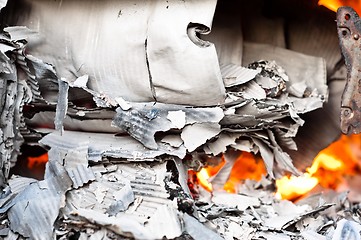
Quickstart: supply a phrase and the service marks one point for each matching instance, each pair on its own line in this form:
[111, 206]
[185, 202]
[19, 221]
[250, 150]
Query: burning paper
[266, 95]
[135, 109]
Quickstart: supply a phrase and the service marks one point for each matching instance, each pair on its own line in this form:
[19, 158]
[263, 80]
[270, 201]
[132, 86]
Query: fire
[328, 170]
[246, 166]
[203, 178]
[291, 187]
[34, 162]
[335, 4]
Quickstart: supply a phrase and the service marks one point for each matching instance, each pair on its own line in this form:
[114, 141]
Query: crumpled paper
[124, 110]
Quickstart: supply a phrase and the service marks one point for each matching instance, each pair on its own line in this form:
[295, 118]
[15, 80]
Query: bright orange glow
[328, 170]
[203, 177]
[335, 4]
[33, 162]
[293, 187]
[246, 166]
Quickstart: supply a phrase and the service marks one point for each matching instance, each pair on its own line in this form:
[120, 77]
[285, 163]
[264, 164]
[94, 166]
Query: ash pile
[127, 96]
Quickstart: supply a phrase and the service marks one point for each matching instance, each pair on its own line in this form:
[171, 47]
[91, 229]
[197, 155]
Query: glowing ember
[34, 162]
[335, 4]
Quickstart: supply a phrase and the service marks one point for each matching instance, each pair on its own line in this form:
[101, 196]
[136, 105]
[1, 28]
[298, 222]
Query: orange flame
[203, 178]
[293, 187]
[246, 166]
[335, 4]
[328, 170]
[33, 162]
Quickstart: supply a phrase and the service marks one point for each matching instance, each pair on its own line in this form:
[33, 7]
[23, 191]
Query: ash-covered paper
[129, 111]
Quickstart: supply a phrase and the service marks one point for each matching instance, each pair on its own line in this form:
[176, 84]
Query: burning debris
[128, 142]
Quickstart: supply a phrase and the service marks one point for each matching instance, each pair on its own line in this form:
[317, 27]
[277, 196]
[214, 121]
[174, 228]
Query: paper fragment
[142, 184]
[19, 32]
[346, 229]
[178, 119]
[282, 158]
[274, 236]
[194, 64]
[5, 48]
[12, 236]
[253, 91]
[299, 68]
[101, 234]
[76, 165]
[308, 213]
[22, 213]
[311, 235]
[298, 89]
[279, 221]
[14, 93]
[272, 77]
[242, 202]
[43, 79]
[196, 134]
[198, 230]
[80, 175]
[3, 4]
[43, 199]
[173, 140]
[165, 222]
[267, 156]
[120, 225]
[221, 143]
[306, 105]
[87, 123]
[123, 104]
[101, 146]
[221, 177]
[236, 75]
[143, 121]
[81, 82]
[245, 145]
[286, 207]
[155, 57]
[62, 106]
[4, 232]
[266, 82]
[182, 170]
[285, 139]
[123, 198]
[17, 183]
